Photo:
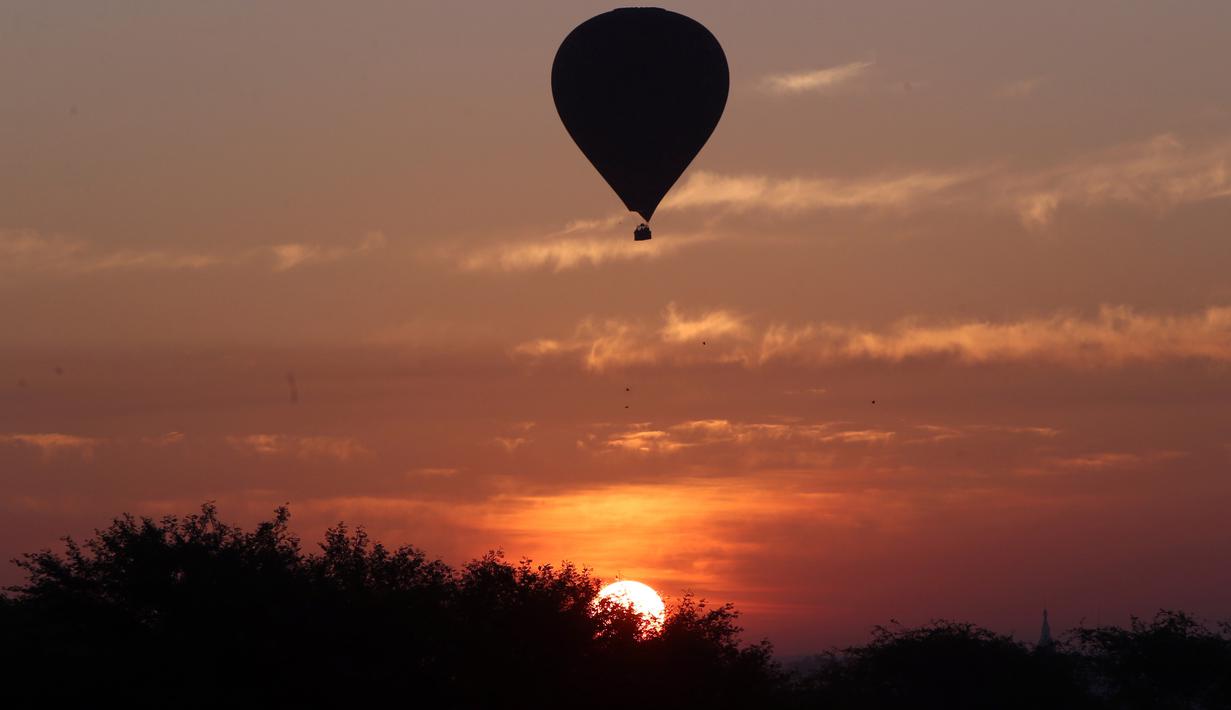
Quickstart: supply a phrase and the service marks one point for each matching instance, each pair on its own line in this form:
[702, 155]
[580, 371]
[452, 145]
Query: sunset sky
[1009, 224]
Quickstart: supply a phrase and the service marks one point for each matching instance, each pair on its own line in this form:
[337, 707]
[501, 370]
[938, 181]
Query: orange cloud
[433, 472]
[510, 443]
[671, 531]
[649, 441]
[601, 344]
[716, 432]
[581, 243]
[712, 324]
[30, 250]
[1158, 174]
[675, 535]
[336, 448]
[1116, 336]
[1019, 89]
[815, 80]
[1098, 462]
[27, 250]
[791, 195]
[168, 439]
[933, 433]
[293, 255]
[51, 444]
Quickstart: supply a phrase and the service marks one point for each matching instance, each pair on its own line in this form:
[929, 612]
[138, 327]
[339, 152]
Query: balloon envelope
[640, 90]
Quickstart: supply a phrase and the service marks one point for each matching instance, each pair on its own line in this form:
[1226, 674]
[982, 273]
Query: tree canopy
[194, 611]
[199, 611]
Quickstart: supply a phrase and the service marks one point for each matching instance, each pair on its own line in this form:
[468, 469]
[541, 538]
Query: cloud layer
[1019, 89]
[1115, 336]
[1156, 175]
[53, 444]
[337, 448]
[814, 80]
[581, 243]
[793, 195]
[24, 251]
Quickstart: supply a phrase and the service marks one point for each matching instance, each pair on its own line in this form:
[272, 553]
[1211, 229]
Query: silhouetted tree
[941, 665]
[1172, 661]
[197, 612]
[698, 660]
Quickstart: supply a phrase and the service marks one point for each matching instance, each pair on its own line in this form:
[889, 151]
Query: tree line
[193, 611]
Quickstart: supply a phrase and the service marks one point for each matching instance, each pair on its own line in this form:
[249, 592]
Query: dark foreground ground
[194, 612]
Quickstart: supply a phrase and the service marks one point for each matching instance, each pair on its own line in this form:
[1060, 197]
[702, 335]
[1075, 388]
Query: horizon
[936, 325]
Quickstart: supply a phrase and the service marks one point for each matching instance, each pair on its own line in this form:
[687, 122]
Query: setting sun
[641, 597]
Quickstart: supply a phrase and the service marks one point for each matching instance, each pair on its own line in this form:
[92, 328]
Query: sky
[348, 259]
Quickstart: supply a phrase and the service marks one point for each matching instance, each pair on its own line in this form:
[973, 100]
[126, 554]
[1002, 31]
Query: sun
[641, 597]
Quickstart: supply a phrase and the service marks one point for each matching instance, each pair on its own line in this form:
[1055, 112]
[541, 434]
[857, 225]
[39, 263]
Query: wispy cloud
[510, 443]
[1019, 89]
[1158, 174]
[606, 342]
[814, 80]
[171, 438]
[745, 192]
[680, 328]
[679, 531]
[563, 254]
[1116, 336]
[292, 255]
[433, 472]
[716, 432]
[51, 444]
[30, 251]
[153, 260]
[27, 247]
[518, 438]
[337, 448]
[581, 243]
[1098, 462]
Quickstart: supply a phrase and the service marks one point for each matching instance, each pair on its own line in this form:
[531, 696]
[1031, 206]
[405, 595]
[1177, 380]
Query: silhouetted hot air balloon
[640, 90]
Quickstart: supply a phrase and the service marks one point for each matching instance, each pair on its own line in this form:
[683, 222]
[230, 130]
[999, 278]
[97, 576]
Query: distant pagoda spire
[1045, 633]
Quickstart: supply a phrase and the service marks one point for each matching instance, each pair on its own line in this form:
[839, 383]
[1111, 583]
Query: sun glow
[640, 597]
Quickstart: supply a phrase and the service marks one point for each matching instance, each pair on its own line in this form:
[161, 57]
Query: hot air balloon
[640, 90]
